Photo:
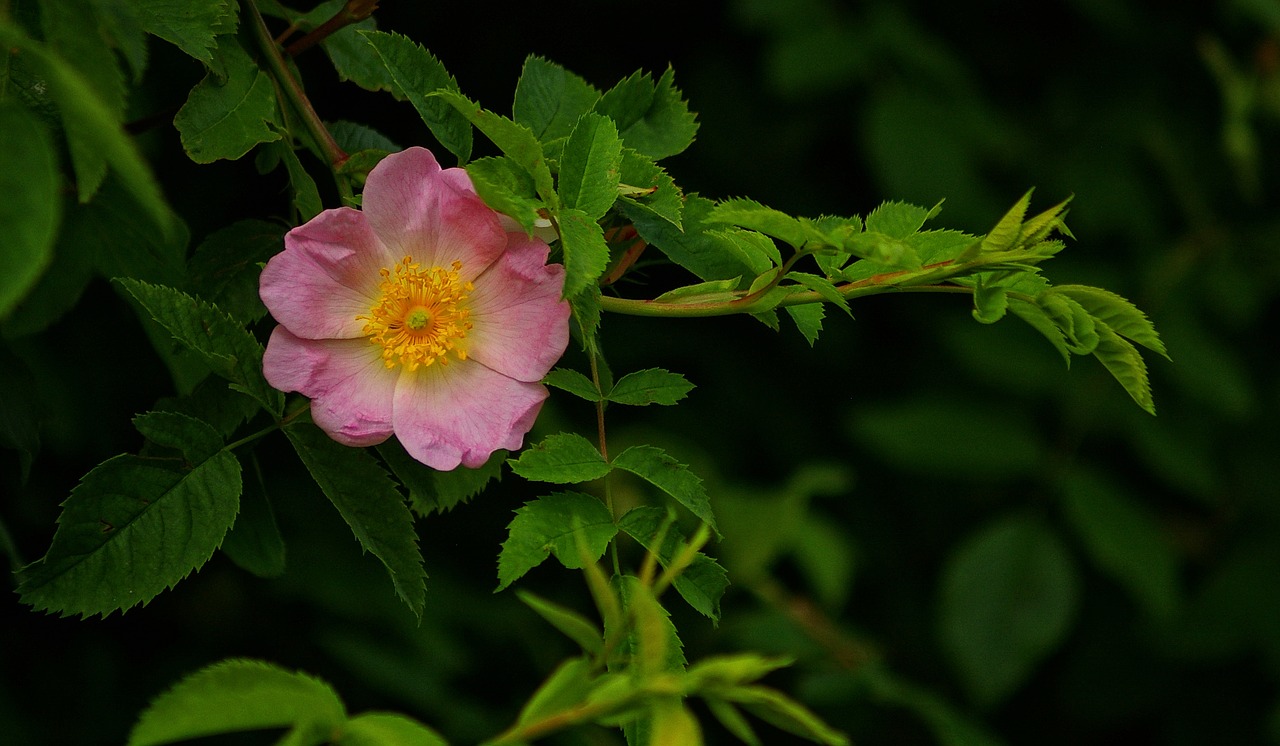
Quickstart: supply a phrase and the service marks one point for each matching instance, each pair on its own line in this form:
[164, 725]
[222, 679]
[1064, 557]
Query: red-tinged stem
[353, 12]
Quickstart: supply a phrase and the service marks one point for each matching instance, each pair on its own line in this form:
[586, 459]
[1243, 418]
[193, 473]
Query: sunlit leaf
[566, 524]
[653, 465]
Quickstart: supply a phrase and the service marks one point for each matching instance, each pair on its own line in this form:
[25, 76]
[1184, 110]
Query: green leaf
[387, 729]
[990, 302]
[306, 197]
[755, 216]
[753, 249]
[1034, 315]
[1004, 236]
[652, 118]
[1008, 597]
[573, 382]
[514, 140]
[823, 287]
[507, 188]
[73, 31]
[433, 491]
[1079, 332]
[703, 581]
[576, 528]
[658, 193]
[549, 99]
[1126, 365]
[653, 465]
[808, 319]
[254, 542]
[589, 168]
[586, 255]
[197, 440]
[93, 132]
[650, 386]
[1119, 314]
[885, 251]
[224, 268]
[239, 695]
[1124, 539]
[898, 219]
[370, 504]
[130, 530]
[567, 687]
[732, 720]
[228, 349]
[698, 247]
[225, 116]
[190, 25]
[575, 626]
[31, 208]
[784, 713]
[564, 458]
[702, 292]
[648, 640]
[414, 74]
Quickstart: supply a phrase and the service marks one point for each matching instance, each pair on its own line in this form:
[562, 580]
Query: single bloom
[420, 315]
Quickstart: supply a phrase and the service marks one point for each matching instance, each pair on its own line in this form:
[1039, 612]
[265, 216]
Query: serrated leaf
[306, 197]
[652, 118]
[190, 25]
[31, 208]
[1036, 317]
[750, 214]
[697, 247]
[1005, 234]
[507, 188]
[566, 524]
[225, 116]
[1124, 540]
[433, 491]
[549, 99]
[414, 74]
[130, 530]
[573, 382]
[649, 641]
[515, 141]
[884, 250]
[370, 504]
[650, 386]
[229, 350]
[574, 626]
[387, 729]
[590, 166]
[653, 465]
[1041, 226]
[238, 695]
[671, 722]
[808, 319]
[1079, 331]
[197, 440]
[1116, 312]
[755, 250]
[660, 196]
[897, 219]
[586, 254]
[564, 458]
[703, 581]
[1008, 597]
[1126, 365]
[823, 287]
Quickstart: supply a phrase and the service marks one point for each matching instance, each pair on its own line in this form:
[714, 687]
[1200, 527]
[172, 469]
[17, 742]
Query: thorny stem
[293, 90]
[353, 12]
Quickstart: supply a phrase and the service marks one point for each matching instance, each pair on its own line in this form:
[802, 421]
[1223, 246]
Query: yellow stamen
[421, 315]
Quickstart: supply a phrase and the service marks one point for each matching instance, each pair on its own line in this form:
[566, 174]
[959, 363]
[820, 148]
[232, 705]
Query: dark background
[923, 426]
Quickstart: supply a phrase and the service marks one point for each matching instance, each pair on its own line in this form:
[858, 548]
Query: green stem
[592, 356]
[293, 89]
[284, 422]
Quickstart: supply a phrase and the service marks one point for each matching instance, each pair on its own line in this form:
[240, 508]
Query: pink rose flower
[418, 316]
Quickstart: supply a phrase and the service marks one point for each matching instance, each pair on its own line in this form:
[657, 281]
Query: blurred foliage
[959, 540]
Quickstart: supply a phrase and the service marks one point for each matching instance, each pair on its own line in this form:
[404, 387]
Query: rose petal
[326, 276]
[463, 412]
[351, 390]
[519, 321]
[419, 211]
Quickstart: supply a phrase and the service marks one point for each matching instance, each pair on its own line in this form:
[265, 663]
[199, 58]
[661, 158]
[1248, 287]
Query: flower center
[420, 316]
